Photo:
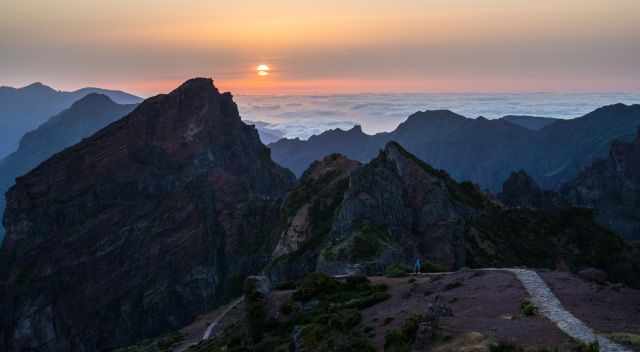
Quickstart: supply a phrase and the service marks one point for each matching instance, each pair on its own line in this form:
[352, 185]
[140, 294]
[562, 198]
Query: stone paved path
[549, 306]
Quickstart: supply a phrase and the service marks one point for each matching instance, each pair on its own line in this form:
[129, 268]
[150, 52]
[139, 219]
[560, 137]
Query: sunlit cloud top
[148, 46]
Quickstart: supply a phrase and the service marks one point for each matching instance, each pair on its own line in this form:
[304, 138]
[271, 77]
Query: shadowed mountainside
[82, 119]
[480, 150]
[135, 230]
[610, 186]
[346, 218]
[530, 122]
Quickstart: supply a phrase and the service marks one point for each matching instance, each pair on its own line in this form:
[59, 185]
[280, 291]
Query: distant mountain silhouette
[480, 150]
[530, 122]
[24, 109]
[82, 119]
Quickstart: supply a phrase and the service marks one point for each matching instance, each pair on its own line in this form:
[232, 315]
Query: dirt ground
[606, 308]
[484, 302]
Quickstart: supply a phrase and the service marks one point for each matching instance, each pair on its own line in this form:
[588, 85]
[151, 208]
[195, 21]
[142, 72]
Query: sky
[324, 47]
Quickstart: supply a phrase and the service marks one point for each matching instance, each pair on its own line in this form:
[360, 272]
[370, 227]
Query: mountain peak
[92, 100]
[38, 86]
[197, 84]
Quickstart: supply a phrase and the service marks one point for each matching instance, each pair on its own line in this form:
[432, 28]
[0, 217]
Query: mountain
[480, 150]
[83, 118]
[344, 217]
[24, 109]
[530, 122]
[297, 155]
[612, 187]
[346, 223]
[135, 230]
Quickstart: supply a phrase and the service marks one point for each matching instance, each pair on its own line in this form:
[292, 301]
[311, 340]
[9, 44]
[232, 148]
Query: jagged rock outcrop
[611, 187]
[83, 118]
[309, 212]
[135, 230]
[397, 208]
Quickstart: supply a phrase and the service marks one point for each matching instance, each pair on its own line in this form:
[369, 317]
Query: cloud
[303, 116]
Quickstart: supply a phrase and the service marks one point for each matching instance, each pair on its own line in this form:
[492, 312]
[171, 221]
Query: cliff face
[612, 188]
[138, 228]
[83, 118]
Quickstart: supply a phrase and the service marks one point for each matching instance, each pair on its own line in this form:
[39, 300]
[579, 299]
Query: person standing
[418, 266]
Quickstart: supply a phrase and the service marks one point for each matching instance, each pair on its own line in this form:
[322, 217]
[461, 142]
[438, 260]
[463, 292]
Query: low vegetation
[528, 309]
[323, 314]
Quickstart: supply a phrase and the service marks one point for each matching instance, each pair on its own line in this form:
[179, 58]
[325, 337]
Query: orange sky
[149, 46]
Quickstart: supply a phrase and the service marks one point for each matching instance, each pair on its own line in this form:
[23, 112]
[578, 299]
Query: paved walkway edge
[551, 307]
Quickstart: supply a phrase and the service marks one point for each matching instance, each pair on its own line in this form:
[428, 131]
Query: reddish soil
[484, 302]
[604, 308]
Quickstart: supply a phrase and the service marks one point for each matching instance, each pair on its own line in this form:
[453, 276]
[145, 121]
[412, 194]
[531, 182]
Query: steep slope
[480, 150]
[135, 230]
[82, 119]
[569, 146]
[534, 123]
[397, 208]
[609, 186]
[24, 109]
[612, 187]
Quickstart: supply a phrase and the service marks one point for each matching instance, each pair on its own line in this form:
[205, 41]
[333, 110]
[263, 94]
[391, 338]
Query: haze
[147, 47]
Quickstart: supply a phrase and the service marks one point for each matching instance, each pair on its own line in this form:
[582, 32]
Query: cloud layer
[303, 116]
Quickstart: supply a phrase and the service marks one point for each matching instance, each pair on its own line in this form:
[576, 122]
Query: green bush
[315, 284]
[528, 308]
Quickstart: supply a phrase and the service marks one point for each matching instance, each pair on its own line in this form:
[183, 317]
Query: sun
[263, 70]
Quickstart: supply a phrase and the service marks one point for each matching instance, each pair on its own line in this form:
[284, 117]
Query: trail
[549, 305]
[212, 326]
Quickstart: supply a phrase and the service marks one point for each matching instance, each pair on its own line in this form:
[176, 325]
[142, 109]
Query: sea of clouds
[294, 116]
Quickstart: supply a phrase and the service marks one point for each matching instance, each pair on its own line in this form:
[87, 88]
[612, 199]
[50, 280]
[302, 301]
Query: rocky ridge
[135, 230]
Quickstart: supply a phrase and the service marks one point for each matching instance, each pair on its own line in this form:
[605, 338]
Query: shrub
[315, 284]
[528, 308]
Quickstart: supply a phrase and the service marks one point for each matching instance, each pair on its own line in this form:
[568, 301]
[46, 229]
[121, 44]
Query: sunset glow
[263, 70]
[353, 46]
